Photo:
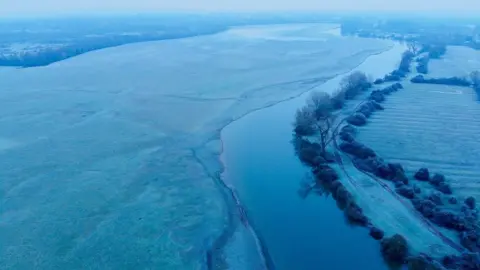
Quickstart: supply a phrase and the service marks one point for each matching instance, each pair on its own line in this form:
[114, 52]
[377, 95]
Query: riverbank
[291, 106]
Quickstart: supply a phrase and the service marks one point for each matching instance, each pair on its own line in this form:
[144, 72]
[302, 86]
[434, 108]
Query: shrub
[355, 214]
[456, 81]
[353, 84]
[376, 233]
[407, 58]
[357, 119]
[423, 174]
[470, 202]
[394, 249]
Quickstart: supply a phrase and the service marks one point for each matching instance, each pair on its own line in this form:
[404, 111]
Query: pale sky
[32, 7]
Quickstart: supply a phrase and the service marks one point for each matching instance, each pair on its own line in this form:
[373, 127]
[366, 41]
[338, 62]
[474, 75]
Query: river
[301, 234]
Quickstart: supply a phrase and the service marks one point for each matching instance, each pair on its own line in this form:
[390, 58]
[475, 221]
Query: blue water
[300, 234]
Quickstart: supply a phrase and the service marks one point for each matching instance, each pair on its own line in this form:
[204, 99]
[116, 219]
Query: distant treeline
[402, 70]
[46, 56]
[422, 64]
[457, 81]
[423, 31]
[49, 40]
[433, 51]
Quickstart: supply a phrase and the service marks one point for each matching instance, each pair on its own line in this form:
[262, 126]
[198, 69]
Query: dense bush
[395, 76]
[426, 207]
[391, 78]
[378, 81]
[315, 118]
[406, 192]
[407, 58]
[325, 174]
[456, 81]
[348, 129]
[436, 198]
[370, 164]
[392, 88]
[437, 179]
[469, 239]
[346, 137]
[444, 188]
[338, 100]
[466, 261]
[449, 220]
[342, 196]
[376, 233]
[422, 65]
[304, 124]
[377, 105]
[311, 153]
[377, 96]
[355, 214]
[452, 200]
[470, 202]
[399, 73]
[423, 262]
[436, 51]
[354, 84]
[350, 87]
[357, 149]
[422, 174]
[394, 249]
[347, 133]
[357, 119]
[366, 109]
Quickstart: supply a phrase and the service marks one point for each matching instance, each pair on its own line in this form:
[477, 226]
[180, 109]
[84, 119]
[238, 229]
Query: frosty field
[107, 159]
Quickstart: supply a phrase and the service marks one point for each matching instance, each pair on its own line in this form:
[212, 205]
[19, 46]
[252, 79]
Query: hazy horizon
[58, 7]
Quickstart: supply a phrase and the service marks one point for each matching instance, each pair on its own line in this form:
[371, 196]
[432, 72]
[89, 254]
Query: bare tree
[353, 84]
[305, 122]
[322, 105]
[475, 78]
[316, 118]
[407, 58]
[413, 47]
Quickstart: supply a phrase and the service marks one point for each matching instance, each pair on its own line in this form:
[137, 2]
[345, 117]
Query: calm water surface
[300, 234]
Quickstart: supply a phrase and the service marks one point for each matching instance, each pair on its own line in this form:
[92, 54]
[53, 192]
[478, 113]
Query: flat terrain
[432, 126]
[387, 210]
[457, 61]
[102, 156]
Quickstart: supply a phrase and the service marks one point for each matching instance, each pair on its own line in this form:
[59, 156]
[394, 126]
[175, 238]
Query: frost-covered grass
[432, 126]
[96, 163]
[458, 61]
[385, 210]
